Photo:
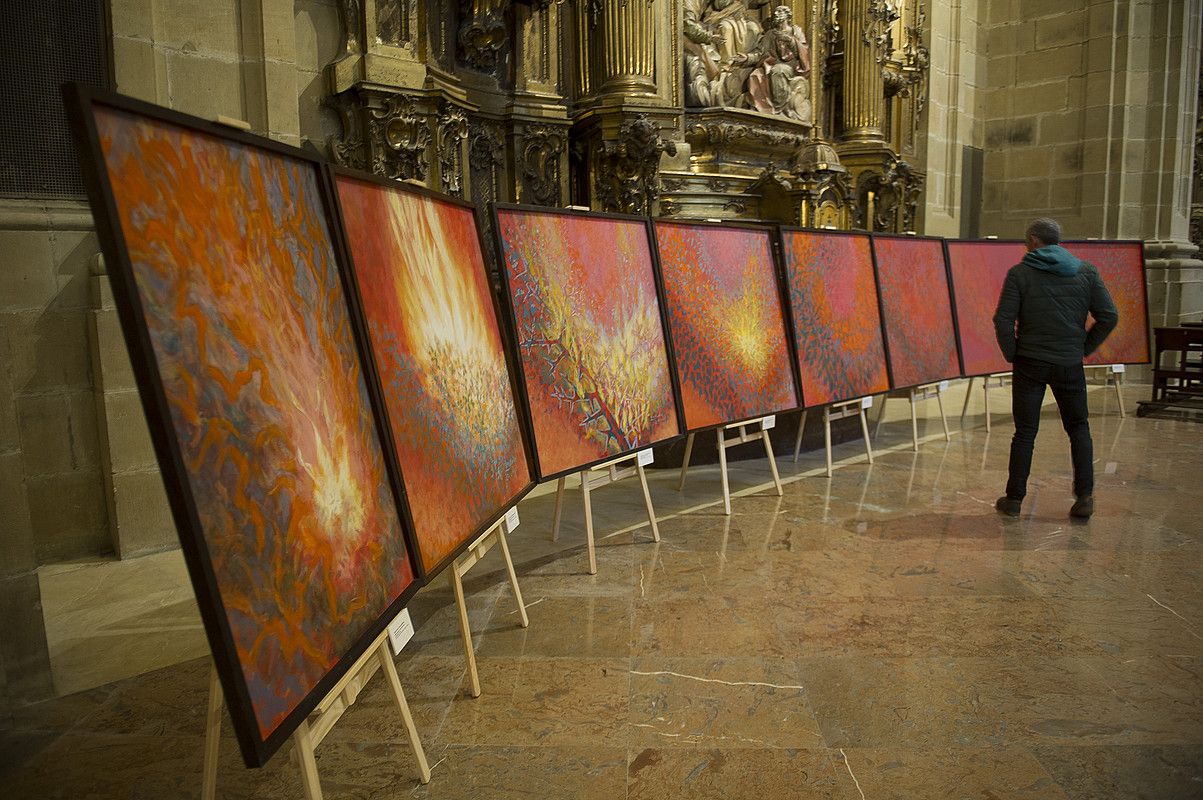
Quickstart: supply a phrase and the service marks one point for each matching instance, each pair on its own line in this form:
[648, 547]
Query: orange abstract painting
[727, 323]
[439, 353]
[1121, 266]
[978, 270]
[250, 338]
[837, 324]
[917, 309]
[589, 333]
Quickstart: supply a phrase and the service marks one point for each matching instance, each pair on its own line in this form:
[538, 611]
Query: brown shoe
[1083, 507]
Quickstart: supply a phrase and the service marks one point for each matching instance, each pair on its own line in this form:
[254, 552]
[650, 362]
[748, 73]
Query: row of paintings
[340, 402]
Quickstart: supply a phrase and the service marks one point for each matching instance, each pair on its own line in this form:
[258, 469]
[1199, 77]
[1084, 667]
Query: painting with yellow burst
[727, 324]
[226, 278]
[438, 351]
[590, 335]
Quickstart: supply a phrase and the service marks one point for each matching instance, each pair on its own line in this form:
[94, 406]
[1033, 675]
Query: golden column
[627, 45]
[864, 23]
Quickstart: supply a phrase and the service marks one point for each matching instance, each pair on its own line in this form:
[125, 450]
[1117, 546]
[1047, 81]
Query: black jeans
[1029, 377]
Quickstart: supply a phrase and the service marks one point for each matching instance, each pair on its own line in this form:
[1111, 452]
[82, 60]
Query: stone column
[864, 25]
[627, 43]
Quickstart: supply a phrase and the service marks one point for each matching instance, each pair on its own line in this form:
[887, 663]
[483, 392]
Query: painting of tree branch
[837, 324]
[438, 350]
[978, 271]
[917, 308]
[590, 335]
[235, 312]
[727, 323]
[1121, 266]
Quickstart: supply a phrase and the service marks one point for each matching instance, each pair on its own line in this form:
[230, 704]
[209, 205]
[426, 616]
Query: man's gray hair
[1046, 230]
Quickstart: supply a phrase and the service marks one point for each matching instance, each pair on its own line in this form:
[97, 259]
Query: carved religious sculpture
[778, 83]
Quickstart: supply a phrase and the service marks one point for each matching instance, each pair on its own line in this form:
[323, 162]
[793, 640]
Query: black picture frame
[873, 239]
[330, 175]
[769, 230]
[80, 101]
[510, 323]
[956, 318]
[791, 323]
[1144, 284]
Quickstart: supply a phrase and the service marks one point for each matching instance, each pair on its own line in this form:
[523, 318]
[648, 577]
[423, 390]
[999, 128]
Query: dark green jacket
[1049, 294]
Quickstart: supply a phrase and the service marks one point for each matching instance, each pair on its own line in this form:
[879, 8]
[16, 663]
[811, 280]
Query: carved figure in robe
[779, 81]
[733, 22]
[710, 79]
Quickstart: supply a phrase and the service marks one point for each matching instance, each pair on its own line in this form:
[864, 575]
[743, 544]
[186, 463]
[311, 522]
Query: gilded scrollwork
[627, 171]
[400, 137]
[484, 34]
[453, 130]
[541, 148]
[891, 195]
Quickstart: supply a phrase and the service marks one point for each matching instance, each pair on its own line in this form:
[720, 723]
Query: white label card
[866, 402]
[1117, 367]
[644, 457]
[400, 631]
[511, 519]
[943, 386]
[768, 422]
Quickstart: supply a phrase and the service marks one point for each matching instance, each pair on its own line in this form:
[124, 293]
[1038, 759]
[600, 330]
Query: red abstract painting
[438, 350]
[590, 335]
[915, 302]
[727, 323]
[1121, 266]
[837, 324]
[978, 271]
[251, 345]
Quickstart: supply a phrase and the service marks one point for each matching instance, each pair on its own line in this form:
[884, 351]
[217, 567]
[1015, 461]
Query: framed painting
[220, 251]
[727, 322]
[585, 316]
[976, 271]
[916, 310]
[438, 352]
[834, 315]
[1121, 264]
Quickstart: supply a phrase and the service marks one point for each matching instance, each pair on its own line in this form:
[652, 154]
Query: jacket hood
[1053, 258]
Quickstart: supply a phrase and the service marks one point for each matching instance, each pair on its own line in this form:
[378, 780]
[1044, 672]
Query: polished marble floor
[879, 634]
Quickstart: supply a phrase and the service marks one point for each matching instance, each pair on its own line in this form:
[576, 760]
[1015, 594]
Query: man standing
[1049, 294]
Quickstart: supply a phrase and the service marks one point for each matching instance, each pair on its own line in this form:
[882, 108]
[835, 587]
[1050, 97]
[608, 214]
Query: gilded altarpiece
[803, 112]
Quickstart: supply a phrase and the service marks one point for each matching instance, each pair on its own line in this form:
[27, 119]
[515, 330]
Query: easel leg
[212, 735]
[588, 522]
[685, 462]
[1118, 379]
[914, 423]
[881, 415]
[457, 585]
[394, 682]
[647, 501]
[986, 399]
[303, 748]
[722, 471]
[827, 437]
[943, 418]
[969, 394]
[555, 519]
[798, 441]
[864, 429]
[509, 568]
[768, 448]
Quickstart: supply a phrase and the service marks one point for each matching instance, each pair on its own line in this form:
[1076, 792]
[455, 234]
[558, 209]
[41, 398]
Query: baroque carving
[483, 34]
[877, 32]
[540, 149]
[350, 149]
[732, 61]
[627, 172]
[349, 11]
[895, 201]
[453, 130]
[400, 138]
[722, 137]
[486, 149]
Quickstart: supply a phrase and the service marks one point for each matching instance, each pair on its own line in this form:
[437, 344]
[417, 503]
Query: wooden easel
[742, 437]
[995, 380]
[310, 733]
[610, 473]
[469, 558]
[917, 395]
[838, 411]
[1113, 375]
